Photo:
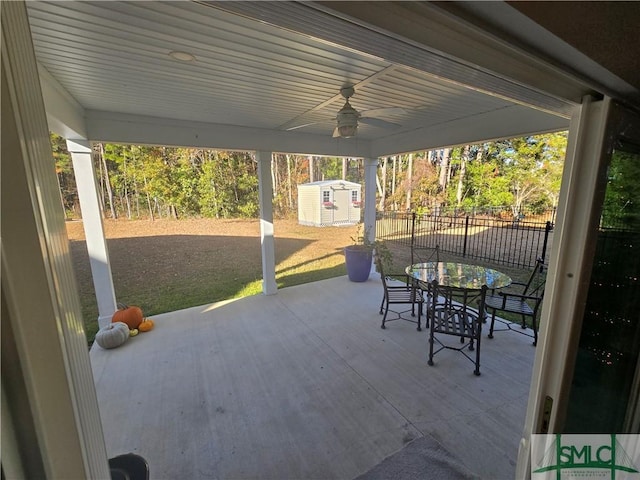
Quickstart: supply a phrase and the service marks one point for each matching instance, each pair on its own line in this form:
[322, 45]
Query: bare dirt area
[218, 237]
[165, 265]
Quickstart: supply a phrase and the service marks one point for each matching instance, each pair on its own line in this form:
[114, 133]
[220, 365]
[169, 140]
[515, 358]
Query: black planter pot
[358, 260]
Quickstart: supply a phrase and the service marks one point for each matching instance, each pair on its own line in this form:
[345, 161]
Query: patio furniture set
[457, 299]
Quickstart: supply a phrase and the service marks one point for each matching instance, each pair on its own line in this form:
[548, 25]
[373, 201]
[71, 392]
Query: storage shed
[329, 202]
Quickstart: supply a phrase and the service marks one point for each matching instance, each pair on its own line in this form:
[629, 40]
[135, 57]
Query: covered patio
[293, 384]
[270, 77]
[305, 384]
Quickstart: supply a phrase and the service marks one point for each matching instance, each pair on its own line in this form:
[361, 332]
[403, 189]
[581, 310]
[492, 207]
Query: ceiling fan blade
[302, 125]
[295, 127]
[380, 112]
[378, 122]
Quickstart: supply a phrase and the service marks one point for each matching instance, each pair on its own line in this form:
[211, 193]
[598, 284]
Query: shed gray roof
[327, 183]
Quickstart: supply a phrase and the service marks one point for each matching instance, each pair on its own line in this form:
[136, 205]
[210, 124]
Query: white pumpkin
[113, 335]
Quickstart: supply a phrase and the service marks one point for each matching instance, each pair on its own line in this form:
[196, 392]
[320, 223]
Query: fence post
[466, 233]
[413, 227]
[547, 229]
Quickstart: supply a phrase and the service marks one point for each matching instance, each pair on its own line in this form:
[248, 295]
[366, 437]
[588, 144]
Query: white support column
[269, 285]
[80, 151]
[370, 171]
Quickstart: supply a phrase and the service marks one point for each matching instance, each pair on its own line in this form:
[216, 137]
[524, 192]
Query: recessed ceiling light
[182, 56]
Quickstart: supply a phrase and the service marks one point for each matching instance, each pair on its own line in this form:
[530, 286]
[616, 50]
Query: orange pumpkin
[146, 325]
[132, 316]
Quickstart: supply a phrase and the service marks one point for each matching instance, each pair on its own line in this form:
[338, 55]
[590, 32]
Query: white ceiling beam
[65, 116]
[509, 122]
[139, 129]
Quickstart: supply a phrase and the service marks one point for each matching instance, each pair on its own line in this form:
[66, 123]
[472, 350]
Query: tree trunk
[274, 182]
[311, 176]
[289, 187]
[409, 181]
[444, 170]
[463, 172]
[393, 175]
[97, 161]
[383, 189]
[144, 177]
[64, 207]
[126, 190]
[121, 199]
[107, 183]
[278, 177]
[135, 185]
[344, 168]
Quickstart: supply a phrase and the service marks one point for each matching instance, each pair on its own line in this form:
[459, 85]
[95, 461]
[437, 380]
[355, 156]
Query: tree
[425, 185]
[106, 192]
[64, 172]
[621, 207]
[464, 157]
[533, 165]
[163, 181]
[409, 180]
[228, 186]
[382, 184]
[445, 170]
[554, 152]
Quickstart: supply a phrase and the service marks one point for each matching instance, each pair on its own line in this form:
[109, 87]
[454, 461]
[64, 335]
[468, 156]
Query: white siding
[308, 205]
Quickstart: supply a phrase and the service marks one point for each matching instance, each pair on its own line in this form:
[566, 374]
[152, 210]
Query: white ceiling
[261, 68]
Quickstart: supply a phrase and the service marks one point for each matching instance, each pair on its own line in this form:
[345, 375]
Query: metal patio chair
[523, 299]
[406, 294]
[424, 254]
[456, 312]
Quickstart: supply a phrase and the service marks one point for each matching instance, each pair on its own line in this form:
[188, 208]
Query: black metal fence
[515, 241]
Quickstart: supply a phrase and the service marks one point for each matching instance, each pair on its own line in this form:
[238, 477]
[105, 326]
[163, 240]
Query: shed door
[342, 200]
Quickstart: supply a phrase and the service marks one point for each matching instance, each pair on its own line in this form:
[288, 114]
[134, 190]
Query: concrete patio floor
[305, 385]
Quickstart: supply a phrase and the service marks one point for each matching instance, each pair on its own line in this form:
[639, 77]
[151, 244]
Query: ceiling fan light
[347, 121]
[347, 131]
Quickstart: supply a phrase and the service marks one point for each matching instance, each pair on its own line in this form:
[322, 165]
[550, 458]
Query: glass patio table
[459, 275]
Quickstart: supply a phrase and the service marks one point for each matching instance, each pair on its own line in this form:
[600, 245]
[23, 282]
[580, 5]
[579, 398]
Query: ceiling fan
[347, 118]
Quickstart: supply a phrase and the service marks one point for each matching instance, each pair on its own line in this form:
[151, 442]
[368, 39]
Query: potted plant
[358, 257]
